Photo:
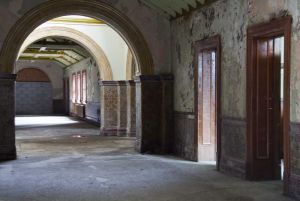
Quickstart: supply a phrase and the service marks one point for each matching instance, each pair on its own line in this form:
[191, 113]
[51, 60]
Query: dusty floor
[69, 162]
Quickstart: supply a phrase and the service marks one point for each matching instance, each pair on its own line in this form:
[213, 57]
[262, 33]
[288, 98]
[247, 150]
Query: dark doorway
[268, 100]
[207, 91]
[67, 95]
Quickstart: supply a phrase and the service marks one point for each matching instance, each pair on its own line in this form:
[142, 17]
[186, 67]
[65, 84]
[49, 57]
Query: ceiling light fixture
[43, 49]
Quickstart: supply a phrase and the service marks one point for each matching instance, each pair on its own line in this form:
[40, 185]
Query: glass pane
[282, 68]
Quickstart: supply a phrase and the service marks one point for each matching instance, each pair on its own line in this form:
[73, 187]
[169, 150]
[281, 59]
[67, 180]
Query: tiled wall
[34, 98]
[92, 111]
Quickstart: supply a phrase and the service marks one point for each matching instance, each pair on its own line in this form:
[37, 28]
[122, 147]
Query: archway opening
[94, 9]
[87, 62]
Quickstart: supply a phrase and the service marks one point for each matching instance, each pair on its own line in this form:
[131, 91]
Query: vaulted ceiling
[68, 53]
[176, 8]
[55, 49]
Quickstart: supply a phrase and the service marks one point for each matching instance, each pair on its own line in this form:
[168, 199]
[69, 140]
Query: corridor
[63, 159]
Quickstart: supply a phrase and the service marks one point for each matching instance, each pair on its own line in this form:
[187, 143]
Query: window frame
[84, 87]
[78, 87]
[74, 88]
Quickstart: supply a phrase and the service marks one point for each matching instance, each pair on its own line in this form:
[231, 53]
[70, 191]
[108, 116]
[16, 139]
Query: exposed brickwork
[34, 98]
[32, 75]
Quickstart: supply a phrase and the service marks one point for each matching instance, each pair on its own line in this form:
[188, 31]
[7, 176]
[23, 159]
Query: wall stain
[178, 51]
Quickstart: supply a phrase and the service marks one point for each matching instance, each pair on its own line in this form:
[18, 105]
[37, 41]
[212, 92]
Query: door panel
[207, 106]
[262, 112]
[277, 111]
[266, 105]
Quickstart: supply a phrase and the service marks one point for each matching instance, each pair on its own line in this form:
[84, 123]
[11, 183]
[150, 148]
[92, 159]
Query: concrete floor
[69, 162]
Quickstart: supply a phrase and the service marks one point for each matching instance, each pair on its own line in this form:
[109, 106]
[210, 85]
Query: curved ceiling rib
[55, 49]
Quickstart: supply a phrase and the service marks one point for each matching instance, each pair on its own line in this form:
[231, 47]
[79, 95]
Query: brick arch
[92, 8]
[32, 75]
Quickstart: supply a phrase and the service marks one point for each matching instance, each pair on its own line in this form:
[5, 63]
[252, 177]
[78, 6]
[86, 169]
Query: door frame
[66, 85]
[274, 28]
[213, 42]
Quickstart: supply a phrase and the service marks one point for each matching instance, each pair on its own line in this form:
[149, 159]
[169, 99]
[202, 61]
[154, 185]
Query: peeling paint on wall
[229, 19]
[93, 78]
[274, 9]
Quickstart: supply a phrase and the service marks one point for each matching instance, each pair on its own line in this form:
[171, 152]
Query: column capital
[108, 83]
[8, 76]
[122, 83]
[167, 77]
[130, 83]
[146, 78]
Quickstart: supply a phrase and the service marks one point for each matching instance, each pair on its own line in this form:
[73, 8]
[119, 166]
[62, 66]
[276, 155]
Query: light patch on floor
[33, 121]
[55, 166]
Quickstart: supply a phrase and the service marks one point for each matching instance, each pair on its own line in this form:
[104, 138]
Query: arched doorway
[93, 48]
[95, 9]
[150, 88]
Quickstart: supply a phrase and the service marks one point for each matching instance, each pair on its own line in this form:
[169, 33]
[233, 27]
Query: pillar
[7, 117]
[131, 117]
[167, 116]
[122, 109]
[154, 119]
[109, 108]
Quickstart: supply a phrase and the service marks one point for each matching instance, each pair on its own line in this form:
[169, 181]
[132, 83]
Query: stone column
[154, 114]
[131, 117]
[167, 116]
[122, 109]
[7, 117]
[148, 114]
[109, 108]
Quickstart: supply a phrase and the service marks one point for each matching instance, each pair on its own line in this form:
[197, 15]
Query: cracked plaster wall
[263, 11]
[230, 19]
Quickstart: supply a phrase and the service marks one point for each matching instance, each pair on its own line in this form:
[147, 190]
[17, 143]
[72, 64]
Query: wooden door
[266, 110]
[263, 139]
[206, 105]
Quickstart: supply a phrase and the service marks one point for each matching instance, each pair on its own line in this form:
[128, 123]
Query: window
[79, 87]
[78, 100]
[84, 87]
[73, 87]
